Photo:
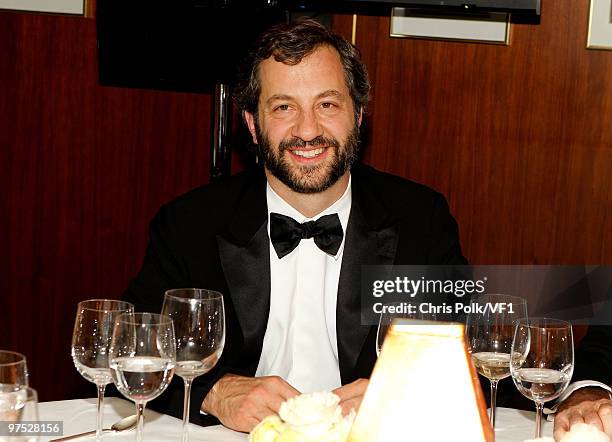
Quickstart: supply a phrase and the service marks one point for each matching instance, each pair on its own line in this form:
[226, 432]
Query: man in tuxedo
[285, 243]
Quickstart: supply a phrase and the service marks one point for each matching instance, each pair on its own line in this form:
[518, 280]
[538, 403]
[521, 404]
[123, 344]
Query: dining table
[79, 415]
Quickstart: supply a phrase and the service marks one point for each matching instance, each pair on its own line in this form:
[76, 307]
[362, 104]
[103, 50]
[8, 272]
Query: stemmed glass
[91, 338]
[199, 327]
[398, 310]
[13, 384]
[542, 361]
[142, 358]
[13, 370]
[489, 331]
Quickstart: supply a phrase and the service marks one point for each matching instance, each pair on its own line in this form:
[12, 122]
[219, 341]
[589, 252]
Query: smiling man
[306, 121]
[285, 243]
[317, 128]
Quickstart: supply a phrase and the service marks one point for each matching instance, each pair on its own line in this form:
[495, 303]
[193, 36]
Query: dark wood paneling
[518, 138]
[84, 168]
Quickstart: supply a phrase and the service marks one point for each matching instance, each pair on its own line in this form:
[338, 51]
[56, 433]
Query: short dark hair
[289, 43]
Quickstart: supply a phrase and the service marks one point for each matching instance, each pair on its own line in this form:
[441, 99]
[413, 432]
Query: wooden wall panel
[83, 170]
[518, 138]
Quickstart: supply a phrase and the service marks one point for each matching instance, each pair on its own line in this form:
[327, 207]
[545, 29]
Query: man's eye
[282, 108]
[328, 105]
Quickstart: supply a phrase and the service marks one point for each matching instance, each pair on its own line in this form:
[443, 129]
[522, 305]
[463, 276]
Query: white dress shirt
[300, 341]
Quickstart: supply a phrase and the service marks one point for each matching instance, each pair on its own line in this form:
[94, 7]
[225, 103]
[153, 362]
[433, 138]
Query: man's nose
[307, 126]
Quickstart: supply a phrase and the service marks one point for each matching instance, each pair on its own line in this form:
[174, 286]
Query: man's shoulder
[209, 208]
[220, 194]
[428, 232]
[393, 191]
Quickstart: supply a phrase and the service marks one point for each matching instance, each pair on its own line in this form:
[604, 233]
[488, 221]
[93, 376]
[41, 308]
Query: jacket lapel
[245, 258]
[371, 239]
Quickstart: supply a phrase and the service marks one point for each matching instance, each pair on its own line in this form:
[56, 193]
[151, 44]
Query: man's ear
[250, 121]
[360, 116]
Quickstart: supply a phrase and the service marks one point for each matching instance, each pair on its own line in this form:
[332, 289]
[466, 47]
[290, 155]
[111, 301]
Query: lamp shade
[423, 388]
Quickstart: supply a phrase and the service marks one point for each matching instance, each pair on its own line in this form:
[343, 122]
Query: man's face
[306, 126]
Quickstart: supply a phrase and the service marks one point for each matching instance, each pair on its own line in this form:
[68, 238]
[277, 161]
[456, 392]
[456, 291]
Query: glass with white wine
[489, 333]
[142, 358]
[199, 328]
[91, 338]
[542, 361]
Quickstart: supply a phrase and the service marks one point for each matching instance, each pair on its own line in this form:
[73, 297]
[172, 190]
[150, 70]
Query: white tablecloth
[518, 425]
[79, 415]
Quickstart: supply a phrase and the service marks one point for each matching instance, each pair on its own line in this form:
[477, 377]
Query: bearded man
[285, 243]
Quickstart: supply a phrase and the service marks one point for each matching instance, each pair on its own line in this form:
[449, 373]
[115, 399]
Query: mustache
[292, 143]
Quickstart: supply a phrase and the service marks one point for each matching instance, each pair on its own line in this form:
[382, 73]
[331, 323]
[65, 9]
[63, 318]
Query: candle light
[423, 388]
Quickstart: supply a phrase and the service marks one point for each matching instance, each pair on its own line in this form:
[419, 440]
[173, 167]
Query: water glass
[19, 406]
[542, 361]
[142, 358]
[13, 370]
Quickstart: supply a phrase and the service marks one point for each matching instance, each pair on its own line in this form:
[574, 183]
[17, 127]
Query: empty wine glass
[13, 384]
[142, 358]
[542, 361]
[199, 328]
[91, 338]
[489, 332]
[399, 310]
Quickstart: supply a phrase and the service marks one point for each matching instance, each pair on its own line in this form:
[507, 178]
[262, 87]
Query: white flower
[314, 417]
[267, 430]
[310, 408]
[340, 431]
[578, 433]
[585, 433]
[312, 414]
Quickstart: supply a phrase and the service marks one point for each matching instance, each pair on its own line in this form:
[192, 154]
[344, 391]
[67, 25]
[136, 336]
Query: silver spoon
[127, 423]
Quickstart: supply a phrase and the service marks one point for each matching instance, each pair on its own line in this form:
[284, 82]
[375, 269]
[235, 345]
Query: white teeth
[308, 153]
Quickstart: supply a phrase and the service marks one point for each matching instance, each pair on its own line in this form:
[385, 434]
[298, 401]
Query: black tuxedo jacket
[216, 237]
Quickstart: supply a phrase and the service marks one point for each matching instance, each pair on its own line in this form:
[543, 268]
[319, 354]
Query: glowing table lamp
[423, 388]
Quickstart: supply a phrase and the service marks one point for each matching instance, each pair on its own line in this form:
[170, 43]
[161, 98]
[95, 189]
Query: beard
[309, 178]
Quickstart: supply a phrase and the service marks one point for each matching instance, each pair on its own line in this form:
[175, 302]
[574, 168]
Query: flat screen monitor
[190, 45]
[183, 45]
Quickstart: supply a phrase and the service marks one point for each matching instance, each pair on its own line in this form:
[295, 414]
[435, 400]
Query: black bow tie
[286, 233]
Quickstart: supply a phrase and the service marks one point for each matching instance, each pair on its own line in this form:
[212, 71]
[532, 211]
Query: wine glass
[199, 328]
[489, 331]
[93, 330]
[13, 370]
[399, 310]
[542, 360]
[30, 408]
[19, 406]
[13, 384]
[142, 358]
